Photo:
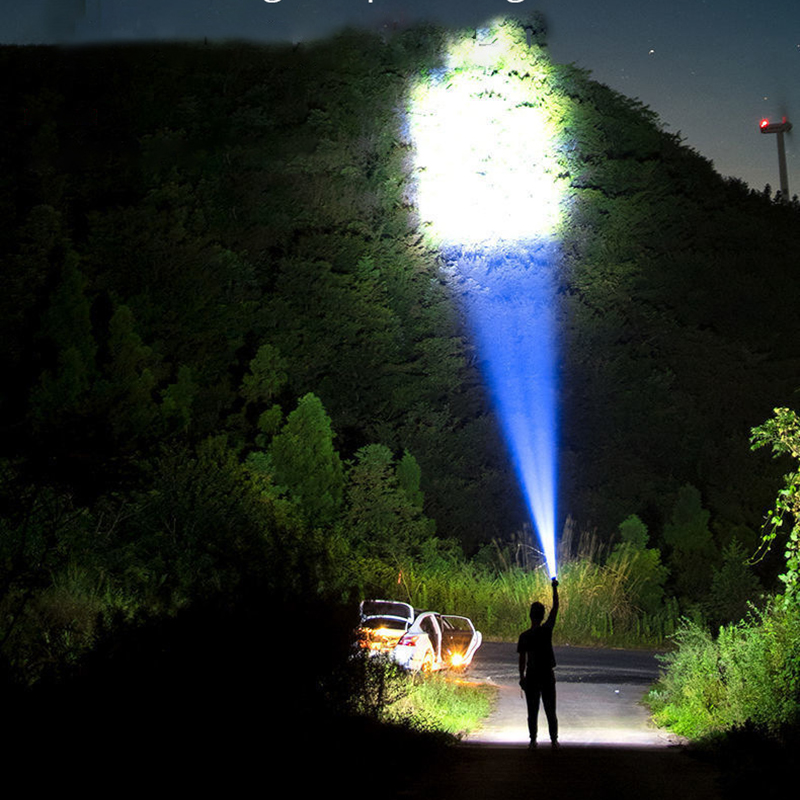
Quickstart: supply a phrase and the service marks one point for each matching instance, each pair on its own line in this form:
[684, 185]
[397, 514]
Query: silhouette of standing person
[536, 663]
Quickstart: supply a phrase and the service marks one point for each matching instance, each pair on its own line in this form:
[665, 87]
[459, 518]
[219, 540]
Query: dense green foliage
[433, 702]
[749, 674]
[782, 433]
[231, 360]
[437, 703]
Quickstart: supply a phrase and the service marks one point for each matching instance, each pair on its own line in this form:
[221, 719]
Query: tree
[644, 573]
[633, 532]
[69, 349]
[177, 401]
[201, 529]
[733, 586]
[129, 380]
[266, 377]
[409, 476]
[306, 464]
[782, 434]
[692, 549]
[384, 505]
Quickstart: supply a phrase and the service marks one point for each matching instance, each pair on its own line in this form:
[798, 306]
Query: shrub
[748, 675]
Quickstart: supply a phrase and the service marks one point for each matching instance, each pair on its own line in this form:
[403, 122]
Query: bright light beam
[512, 317]
[490, 193]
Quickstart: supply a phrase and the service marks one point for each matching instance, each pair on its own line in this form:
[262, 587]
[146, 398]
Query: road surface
[598, 696]
[609, 748]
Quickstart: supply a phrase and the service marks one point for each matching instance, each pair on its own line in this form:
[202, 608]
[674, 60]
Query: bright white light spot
[486, 159]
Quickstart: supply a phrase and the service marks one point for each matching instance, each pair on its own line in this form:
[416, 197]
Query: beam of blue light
[510, 305]
[489, 191]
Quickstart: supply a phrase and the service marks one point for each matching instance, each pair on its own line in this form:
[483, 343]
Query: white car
[382, 623]
[437, 641]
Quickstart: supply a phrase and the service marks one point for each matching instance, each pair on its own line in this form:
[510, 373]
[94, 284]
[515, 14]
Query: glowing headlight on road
[457, 659]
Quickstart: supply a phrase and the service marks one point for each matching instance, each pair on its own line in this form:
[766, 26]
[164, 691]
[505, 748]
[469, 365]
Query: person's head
[537, 612]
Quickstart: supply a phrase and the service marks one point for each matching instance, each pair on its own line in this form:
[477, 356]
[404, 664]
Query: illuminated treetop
[485, 130]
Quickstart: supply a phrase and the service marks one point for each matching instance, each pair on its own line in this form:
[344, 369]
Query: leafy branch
[782, 433]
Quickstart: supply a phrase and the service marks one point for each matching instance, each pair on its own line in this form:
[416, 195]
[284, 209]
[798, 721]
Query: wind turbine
[779, 128]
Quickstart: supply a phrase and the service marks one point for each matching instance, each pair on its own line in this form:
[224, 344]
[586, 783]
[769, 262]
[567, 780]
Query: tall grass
[595, 603]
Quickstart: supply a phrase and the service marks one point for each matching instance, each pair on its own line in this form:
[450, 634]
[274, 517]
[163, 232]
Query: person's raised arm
[551, 618]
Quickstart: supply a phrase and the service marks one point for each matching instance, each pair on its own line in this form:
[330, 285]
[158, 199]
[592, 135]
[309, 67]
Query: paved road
[497, 662]
[610, 749]
[599, 693]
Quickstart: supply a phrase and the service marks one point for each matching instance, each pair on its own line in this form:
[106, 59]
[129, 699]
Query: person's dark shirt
[537, 644]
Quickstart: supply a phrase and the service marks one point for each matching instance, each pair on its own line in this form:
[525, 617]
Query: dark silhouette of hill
[196, 236]
[230, 195]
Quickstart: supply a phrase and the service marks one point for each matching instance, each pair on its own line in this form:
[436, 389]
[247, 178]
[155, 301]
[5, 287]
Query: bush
[438, 703]
[748, 675]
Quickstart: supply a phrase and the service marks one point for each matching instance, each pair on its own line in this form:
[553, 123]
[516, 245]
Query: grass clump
[374, 687]
[443, 703]
[748, 675]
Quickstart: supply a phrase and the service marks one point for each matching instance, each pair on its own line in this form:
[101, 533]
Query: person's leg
[548, 688]
[532, 698]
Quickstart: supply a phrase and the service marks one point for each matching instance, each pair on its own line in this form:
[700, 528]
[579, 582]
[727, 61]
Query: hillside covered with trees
[231, 359]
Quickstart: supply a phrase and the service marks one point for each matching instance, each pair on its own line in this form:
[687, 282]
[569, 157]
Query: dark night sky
[711, 69]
